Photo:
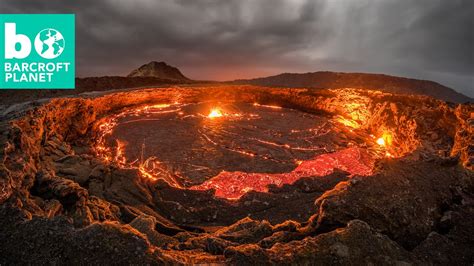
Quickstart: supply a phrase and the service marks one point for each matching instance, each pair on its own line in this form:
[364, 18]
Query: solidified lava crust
[266, 176]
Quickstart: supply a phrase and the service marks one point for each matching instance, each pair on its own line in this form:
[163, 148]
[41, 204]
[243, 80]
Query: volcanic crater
[244, 143]
[240, 174]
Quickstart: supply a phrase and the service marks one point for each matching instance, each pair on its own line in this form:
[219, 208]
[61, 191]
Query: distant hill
[149, 75]
[158, 70]
[326, 79]
[87, 85]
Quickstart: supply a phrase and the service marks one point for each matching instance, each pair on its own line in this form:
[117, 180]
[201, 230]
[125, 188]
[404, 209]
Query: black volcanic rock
[335, 80]
[158, 70]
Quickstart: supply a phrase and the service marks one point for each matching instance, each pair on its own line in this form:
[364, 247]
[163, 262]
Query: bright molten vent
[215, 113]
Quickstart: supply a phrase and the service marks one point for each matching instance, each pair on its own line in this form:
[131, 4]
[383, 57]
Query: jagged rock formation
[386, 83]
[59, 203]
[158, 70]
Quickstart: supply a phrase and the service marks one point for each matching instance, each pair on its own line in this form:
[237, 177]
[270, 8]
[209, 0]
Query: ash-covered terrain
[237, 175]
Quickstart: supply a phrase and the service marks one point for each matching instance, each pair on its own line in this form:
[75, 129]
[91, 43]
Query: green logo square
[37, 51]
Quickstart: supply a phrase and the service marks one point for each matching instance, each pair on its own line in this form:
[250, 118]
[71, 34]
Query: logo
[51, 64]
[49, 43]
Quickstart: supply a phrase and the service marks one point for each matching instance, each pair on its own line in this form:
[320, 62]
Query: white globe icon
[49, 43]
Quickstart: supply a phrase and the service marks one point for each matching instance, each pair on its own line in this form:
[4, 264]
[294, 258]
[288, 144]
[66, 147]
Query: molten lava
[233, 185]
[385, 140]
[215, 113]
[380, 141]
[267, 106]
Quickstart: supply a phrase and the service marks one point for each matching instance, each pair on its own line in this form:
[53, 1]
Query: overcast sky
[224, 40]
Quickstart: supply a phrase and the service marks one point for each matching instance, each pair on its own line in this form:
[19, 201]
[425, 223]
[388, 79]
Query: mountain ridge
[160, 74]
[383, 82]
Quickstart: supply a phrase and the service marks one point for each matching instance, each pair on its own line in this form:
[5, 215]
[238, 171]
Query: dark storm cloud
[218, 39]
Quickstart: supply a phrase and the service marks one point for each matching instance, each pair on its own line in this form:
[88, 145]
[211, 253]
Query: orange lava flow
[233, 185]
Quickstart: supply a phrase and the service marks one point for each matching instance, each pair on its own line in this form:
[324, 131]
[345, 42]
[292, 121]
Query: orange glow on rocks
[347, 122]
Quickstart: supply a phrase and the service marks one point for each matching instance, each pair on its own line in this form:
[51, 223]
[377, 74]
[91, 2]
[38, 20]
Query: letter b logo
[28, 41]
[49, 43]
[12, 39]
